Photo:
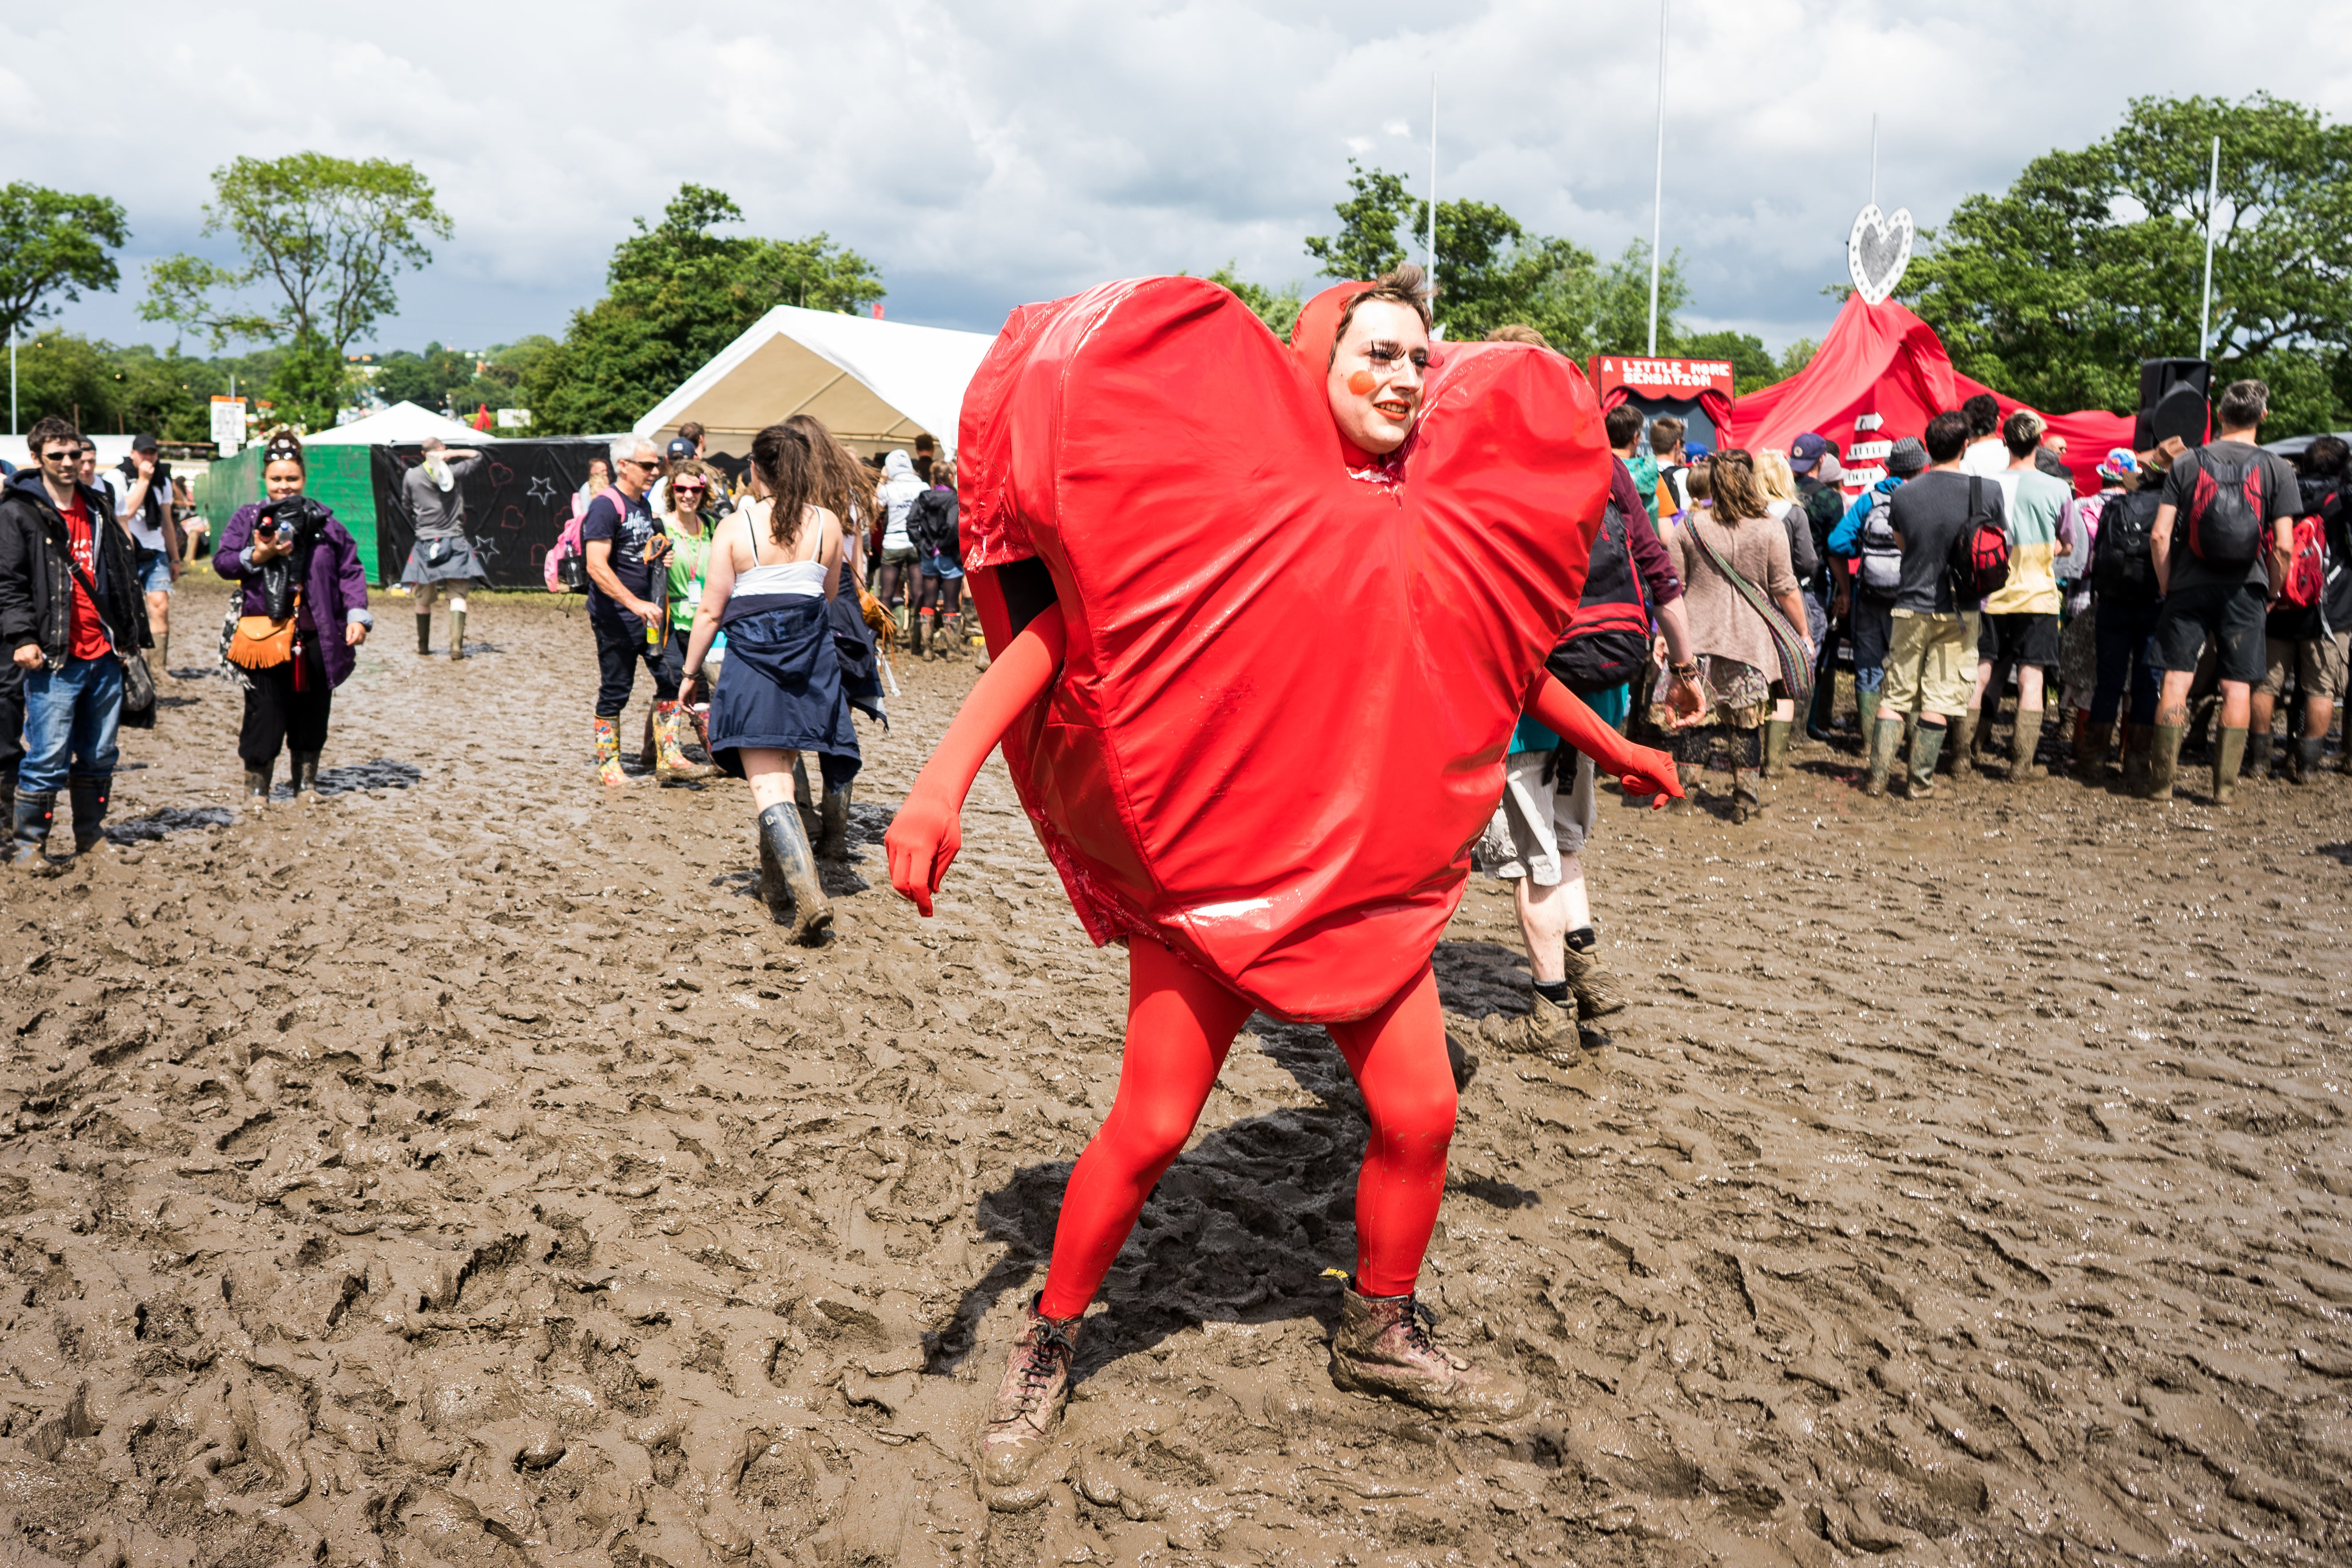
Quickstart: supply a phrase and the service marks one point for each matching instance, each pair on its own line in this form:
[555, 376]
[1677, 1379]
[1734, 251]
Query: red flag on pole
[878, 310]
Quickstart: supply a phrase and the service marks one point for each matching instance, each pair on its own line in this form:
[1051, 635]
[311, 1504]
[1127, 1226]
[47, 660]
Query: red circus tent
[1883, 360]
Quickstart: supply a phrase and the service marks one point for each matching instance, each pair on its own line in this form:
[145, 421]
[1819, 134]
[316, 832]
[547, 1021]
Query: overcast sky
[987, 153]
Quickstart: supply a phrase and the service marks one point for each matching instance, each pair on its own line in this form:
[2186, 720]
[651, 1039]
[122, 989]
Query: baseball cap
[1908, 460]
[2119, 464]
[679, 448]
[1806, 450]
[1694, 450]
[142, 443]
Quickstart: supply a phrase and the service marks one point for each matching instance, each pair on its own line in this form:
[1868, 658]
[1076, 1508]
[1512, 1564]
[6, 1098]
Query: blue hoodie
[1848, 532]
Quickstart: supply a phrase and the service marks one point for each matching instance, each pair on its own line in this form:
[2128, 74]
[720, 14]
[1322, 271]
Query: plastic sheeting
[1281, 720]
[1883, 360]
[403, 423]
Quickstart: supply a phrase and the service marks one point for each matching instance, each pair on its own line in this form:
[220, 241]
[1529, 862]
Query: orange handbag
[260, 643]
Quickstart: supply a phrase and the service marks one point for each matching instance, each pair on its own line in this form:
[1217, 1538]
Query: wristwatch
[1688, 671]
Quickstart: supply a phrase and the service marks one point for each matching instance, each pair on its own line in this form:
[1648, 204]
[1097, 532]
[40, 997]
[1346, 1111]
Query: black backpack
[931, 524]
[2125, 561]
[1608, 638]
[2225, 509]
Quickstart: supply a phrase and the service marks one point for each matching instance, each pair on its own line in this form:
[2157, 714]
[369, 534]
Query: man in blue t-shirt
[624, 545]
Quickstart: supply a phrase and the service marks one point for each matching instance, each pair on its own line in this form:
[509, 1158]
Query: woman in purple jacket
[291, 540]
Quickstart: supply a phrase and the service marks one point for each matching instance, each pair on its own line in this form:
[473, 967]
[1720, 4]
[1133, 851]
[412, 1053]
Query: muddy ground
[461, 1171]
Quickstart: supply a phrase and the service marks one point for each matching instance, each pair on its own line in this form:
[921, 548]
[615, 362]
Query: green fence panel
[227, 484]
[340, 481]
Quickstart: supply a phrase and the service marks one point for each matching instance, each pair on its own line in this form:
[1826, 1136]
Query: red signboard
[1659, 378]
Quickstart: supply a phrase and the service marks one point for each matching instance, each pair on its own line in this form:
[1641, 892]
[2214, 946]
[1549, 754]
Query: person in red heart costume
[1268, 814]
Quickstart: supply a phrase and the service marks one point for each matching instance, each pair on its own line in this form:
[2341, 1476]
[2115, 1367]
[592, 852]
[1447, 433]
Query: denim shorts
[155, 570]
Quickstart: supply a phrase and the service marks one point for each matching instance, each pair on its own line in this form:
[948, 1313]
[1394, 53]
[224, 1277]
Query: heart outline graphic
[1878, 252]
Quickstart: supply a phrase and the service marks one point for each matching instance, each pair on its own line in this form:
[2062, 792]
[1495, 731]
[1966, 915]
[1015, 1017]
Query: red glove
[1640, 769]
[927, 832]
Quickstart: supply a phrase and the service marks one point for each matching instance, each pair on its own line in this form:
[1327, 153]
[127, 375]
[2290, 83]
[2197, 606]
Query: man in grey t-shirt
[436, 495]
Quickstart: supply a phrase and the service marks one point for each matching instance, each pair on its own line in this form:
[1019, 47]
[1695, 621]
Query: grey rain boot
[257, 781]
[33, 814]
[457, 634]
[788, 877]
[1885, 738]
[304, 766]
[2029, 740]
[1382, 1346]
[88, 796]
[832, 825]
[1927, 740]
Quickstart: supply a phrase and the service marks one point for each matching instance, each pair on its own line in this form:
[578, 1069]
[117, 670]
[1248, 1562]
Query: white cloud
[989, 152]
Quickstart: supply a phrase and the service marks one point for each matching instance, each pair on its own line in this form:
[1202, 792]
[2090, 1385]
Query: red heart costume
[1290, 682]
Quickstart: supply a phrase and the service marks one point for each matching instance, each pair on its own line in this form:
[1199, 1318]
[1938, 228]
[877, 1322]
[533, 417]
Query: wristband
[1686, 671]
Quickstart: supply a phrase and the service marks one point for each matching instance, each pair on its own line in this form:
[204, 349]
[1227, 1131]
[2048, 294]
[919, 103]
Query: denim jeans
[2125, 661]
[71, 718]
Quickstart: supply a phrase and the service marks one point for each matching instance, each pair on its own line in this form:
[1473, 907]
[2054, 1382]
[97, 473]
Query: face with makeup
[1375, 381]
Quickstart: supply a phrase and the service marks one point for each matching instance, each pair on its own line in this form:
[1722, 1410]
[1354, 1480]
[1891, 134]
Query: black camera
[306, 518]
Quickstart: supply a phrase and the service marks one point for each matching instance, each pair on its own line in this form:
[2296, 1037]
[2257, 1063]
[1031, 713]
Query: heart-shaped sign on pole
[1877, 251]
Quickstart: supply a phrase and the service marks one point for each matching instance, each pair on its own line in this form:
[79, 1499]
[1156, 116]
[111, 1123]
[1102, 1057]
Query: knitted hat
[1908, 460]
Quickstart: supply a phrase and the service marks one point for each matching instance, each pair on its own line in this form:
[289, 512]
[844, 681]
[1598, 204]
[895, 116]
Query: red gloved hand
[925, 836]
[1640, 770]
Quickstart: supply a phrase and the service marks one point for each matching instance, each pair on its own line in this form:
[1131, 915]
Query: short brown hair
[692, 432]
[1623, 422]
[1666, 434]
[50, 428]
[1407, 285]
[1518, 332]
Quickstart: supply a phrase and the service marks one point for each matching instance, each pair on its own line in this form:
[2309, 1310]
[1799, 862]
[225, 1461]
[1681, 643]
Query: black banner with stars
[517, 499]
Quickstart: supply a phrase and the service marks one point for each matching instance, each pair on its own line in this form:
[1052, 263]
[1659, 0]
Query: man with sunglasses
[68, 590]
[623, 546]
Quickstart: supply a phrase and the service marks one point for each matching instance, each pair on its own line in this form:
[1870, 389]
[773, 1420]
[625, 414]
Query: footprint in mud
[380, 774]
[157, 824]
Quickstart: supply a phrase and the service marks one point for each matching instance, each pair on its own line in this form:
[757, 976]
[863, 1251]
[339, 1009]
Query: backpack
[2306, 567]
[2124, 562]
[2225, 509]
[931, 524]
[1879, 559]
[1979, 564]
[567, 564]
[1608, 638]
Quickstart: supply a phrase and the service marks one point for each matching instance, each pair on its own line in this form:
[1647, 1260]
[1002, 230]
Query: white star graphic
[542, 488]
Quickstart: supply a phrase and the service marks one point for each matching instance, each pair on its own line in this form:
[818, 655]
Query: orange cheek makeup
[1362, 382]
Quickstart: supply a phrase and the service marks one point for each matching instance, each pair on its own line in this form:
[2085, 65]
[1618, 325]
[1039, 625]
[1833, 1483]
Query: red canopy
[1883, 360]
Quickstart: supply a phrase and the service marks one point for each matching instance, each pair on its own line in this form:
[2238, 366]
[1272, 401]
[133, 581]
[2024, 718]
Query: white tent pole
[1658, 200]
[1431, 247]
[1873, 160]
[2212, 194]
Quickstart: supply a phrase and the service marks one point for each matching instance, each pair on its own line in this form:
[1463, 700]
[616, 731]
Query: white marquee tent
[403, 423]
[875, 385]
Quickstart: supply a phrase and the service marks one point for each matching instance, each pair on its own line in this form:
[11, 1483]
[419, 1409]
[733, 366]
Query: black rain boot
[33, 814]
[425, 633]
[304, 766]
[788, 877]
[88, 796]
[2091, 745]
[257, 781]
[2256, 769]
[2302, 763]
[832, 825]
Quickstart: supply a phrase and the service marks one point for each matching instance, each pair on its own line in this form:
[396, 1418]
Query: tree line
[2053, 290]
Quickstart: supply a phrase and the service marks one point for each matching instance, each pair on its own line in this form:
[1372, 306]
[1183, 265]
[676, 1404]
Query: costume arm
[1640, 770]
[925, 836]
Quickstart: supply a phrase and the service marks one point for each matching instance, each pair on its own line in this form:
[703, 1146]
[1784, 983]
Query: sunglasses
[690, 490]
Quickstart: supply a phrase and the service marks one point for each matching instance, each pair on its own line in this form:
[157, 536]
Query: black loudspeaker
[2173, 400]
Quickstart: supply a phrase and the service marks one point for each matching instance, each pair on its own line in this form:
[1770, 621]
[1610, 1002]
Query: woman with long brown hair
[774, 570]
[1732, 555]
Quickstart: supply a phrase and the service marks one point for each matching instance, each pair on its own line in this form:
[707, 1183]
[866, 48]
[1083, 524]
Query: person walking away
[925, 452]
[775, 567]
[623, 545]
[435, 492]
[2124, 602]
[1932, 637]
[1549, 806]
[845, 488]
[1986, 456]
[2223, 536]
[141, 490]
[896, 495]
[690, 487]
[296, 560]
[1672, 463]
[1730, 554]
[2019, 627]
[1641, 463]
[1777, 481]
[1870, 570]
[69, 613]
[2312, 640]
[933, 526]
[2078, 635]
[1814, 458]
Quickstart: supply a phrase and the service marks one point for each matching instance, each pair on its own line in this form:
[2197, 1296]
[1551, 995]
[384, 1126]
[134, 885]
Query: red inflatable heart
[1289, 687]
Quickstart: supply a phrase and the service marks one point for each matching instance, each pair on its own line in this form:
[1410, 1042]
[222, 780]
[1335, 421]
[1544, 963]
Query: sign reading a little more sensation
[1662, 377]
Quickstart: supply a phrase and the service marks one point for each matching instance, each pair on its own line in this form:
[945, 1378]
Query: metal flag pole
[12, 381]
[1429, 251]
[2205, 316]
[1658, 198]
[1873, 160]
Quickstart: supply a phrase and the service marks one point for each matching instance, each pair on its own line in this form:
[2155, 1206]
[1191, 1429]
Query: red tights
[1179, 1024]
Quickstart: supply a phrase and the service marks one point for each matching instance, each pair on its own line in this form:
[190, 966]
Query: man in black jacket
[68, 599]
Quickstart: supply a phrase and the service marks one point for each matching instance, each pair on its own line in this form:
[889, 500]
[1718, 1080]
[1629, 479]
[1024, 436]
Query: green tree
[1752, 364]
[327, 235]
[2092, 260]
[1279, 311]
[676, 294]
[1366, 242]
[53, 246]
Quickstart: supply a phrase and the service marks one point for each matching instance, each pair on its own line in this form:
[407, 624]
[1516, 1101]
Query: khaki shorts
[2318, 661]
[1539, 822]
[1931, 665]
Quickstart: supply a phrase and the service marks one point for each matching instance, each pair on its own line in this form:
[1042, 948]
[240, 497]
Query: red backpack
[1979, 564]
[2226, 511]
[2306, 567]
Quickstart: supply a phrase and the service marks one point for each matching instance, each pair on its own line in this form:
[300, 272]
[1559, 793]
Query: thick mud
[459, 1170]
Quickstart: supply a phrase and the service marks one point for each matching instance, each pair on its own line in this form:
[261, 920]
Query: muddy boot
[2302, 763]
[2091, 746]
[457, 634]
[2259, 750]
[788, 877]
[1596, 984]
[669, 758]
[608, 752]
[1926, 743]
[1747, 797]
[1885, 736]
[1962, 744]
[257, 782]
[9, 796]
[2163, 761]
[2139, 745]
[88, 796]
[2228, 755]
[1776, 747]
[1546, 1025]
[1026, 1412]
[1382, 1346]
[304, 766]
[1690, 774]
[2021, 765]
[1865, 714]
[832, 825]
[424, 634]
[31, 846]
[916, 632]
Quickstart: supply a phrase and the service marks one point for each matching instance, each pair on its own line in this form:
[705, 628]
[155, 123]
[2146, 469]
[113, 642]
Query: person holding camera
[301, 573]
[141, 489]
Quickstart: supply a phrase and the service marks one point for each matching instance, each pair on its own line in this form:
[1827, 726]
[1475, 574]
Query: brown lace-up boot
[1026, 1412]
[1383, 1347]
